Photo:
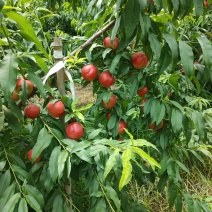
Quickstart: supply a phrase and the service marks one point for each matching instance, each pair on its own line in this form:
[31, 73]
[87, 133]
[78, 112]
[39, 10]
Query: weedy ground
[198, 183]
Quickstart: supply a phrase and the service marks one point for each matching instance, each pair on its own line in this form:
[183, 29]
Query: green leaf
[112, 121]
[177, 105]
[198, 156]
[161, 114]
[146, 157]
[9, 207]
[131, 14]
[5, 181]
[94, 133]
[199, 123]
[143, 142]
[43, 141]
[26, 28]
[22, 174]
[127, 168]
[183, 167]
[110, 163]
[53, 163]
[172, 194]
[6, 195]
[114, 63]
[22, 207]
[13, 121]
[187, 57]
[1, 120]
[2, 165]
[36, 194]
[33, 203]
[176, 119]
[68, 166]
[115, 28]
[74, 146]
[198, 5]
[112, 194]
[133, 88]
[162, 182]
[155, 45]
[164, 60]
[38, 82]
[178, 203]
[58, 203]
[187, 6]
[84, 155]
[8, 74]
[173, 46]
[155, 109]
[61, 162]
[40, 61]
[206, 49]
[189, 202]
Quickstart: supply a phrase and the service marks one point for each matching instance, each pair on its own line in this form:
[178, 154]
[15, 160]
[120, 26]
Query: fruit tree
[149, 66]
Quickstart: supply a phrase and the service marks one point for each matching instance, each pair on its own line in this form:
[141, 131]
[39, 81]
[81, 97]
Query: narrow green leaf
[12, 120]
[131, 14]
[22, 207]
[187, 57]
[143, 142]
[9, 207]
[199, 123]
[164, 60]
[115, 28]
[53, 163]
[36, 194]
[127, 168]
[8, 74]
[177, 105]
[183, 167]
[22, 174]
[39, 60]
[43, 141]
[206, 49]
[84, 155]
[155, 110]
[5, 181]
[6, 195]
[189, 202]
[162, 182]
[61, 162]
[178, 203]
[68, 166]
[76, 146]
[1, 121]
[114, 63]
[155, 45]
[173, 46]
[112, 194]
[26, 28]
[198, 5]
[176, 119]
[94, 133]
[33, 203]
[2, 165]
[161, 114]
[110, 163]
[198, 156]
[38, 82]
[172, 194]
[58, 203]
[146, 157]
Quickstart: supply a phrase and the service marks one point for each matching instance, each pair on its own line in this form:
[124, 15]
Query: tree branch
[92, 38]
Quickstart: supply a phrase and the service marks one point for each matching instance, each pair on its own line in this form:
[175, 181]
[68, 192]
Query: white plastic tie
[58, 54]
[54, 70]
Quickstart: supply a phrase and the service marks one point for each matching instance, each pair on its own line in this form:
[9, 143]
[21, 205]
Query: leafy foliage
[166, 134]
